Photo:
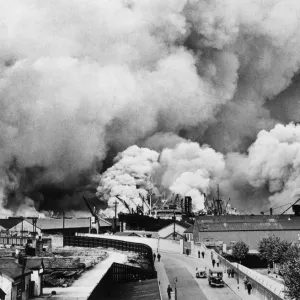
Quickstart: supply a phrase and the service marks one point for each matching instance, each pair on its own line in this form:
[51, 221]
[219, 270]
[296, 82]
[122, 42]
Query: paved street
[188, 286]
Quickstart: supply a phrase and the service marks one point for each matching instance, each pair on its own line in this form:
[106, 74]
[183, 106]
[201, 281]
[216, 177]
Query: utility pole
[115, 219]
[174, 231]
[63, 222]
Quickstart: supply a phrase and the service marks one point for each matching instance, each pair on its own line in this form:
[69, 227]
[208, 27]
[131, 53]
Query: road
[188, 286]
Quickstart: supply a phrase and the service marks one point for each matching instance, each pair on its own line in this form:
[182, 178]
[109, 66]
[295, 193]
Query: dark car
[215, 277]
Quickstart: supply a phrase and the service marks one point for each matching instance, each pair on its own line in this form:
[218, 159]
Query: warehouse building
[228, 229]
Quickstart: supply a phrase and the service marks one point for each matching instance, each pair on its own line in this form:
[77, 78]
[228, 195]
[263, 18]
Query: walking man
[218, 262]
[213, 262]
[249, 287]
[158, 257]
[169, 290]
[228, 272]
[154, 256]
[245, 280]
[202, 254]
[198, 253]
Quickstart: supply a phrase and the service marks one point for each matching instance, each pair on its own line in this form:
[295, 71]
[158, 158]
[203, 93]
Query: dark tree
[273, 248]
[290, 270]
[240, 250]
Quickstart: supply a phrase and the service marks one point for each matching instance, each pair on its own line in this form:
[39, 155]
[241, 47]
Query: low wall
[155, 244]
[62, 263]
[264, 288]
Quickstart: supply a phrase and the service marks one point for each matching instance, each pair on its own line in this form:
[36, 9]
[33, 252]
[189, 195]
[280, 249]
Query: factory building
[18, 227]
[228, 229]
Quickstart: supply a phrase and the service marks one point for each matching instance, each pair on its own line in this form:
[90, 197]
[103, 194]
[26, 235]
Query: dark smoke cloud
[81, 81]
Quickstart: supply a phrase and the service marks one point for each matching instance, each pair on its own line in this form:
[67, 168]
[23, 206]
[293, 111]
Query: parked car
[215, 277]
[201, 273]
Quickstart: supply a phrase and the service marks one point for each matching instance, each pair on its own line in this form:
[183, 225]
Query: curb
[233, 291]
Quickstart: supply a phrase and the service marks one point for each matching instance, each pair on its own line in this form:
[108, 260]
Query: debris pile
[68, 263]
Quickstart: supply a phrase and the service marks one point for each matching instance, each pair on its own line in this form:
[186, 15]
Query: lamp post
[175, 281]
[238, 276]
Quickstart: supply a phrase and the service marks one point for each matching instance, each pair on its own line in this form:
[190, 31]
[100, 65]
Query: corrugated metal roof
[248, 223]
[238, 226]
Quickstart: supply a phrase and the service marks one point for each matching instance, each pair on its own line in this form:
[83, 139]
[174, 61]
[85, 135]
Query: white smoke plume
[81, 81]
[191, 170]
[274, 161]
[129, 178]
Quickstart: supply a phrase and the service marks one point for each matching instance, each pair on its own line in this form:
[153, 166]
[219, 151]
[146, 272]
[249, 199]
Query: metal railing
[92, 242]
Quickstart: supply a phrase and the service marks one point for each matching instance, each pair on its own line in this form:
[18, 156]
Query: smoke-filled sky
[82, 80]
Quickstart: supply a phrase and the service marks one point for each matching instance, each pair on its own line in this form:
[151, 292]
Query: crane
[125, 204]
[93, 212]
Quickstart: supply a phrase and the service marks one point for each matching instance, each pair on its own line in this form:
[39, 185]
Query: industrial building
[71, 226]
[228, 229]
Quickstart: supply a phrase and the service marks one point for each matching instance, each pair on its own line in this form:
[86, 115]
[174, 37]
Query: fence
[91, 242]
[154, 243]
[119, 273]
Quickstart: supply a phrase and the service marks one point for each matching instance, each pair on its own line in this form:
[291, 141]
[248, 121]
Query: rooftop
[9, 223]
[54, 223]
[33, 263]
[190, 229]
[248, 223]
[12, 269]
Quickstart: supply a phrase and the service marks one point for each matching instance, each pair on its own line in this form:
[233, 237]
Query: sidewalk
[239, 290]
[163, 280]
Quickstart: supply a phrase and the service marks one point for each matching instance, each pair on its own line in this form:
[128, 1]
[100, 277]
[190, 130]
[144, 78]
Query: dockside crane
[93, 213]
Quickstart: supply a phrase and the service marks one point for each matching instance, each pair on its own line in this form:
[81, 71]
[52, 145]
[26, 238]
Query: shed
[16, 281]
[36, 265]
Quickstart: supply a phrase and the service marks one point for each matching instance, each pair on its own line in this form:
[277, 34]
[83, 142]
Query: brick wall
[62, 263]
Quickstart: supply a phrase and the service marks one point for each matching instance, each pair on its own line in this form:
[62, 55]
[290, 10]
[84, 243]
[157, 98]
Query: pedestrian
[245, 280]
[202, 254]
[218, 262]
[232, 273]
[249, 287]
[198, 253]
[187, 251]
[213, 262]
[158, 257]
[228, 272]
[169, 290]
[154, 256]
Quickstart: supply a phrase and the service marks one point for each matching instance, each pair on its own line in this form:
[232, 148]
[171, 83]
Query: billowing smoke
[274, 161]
[129, 179]
[82, 81]
[189, 170]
